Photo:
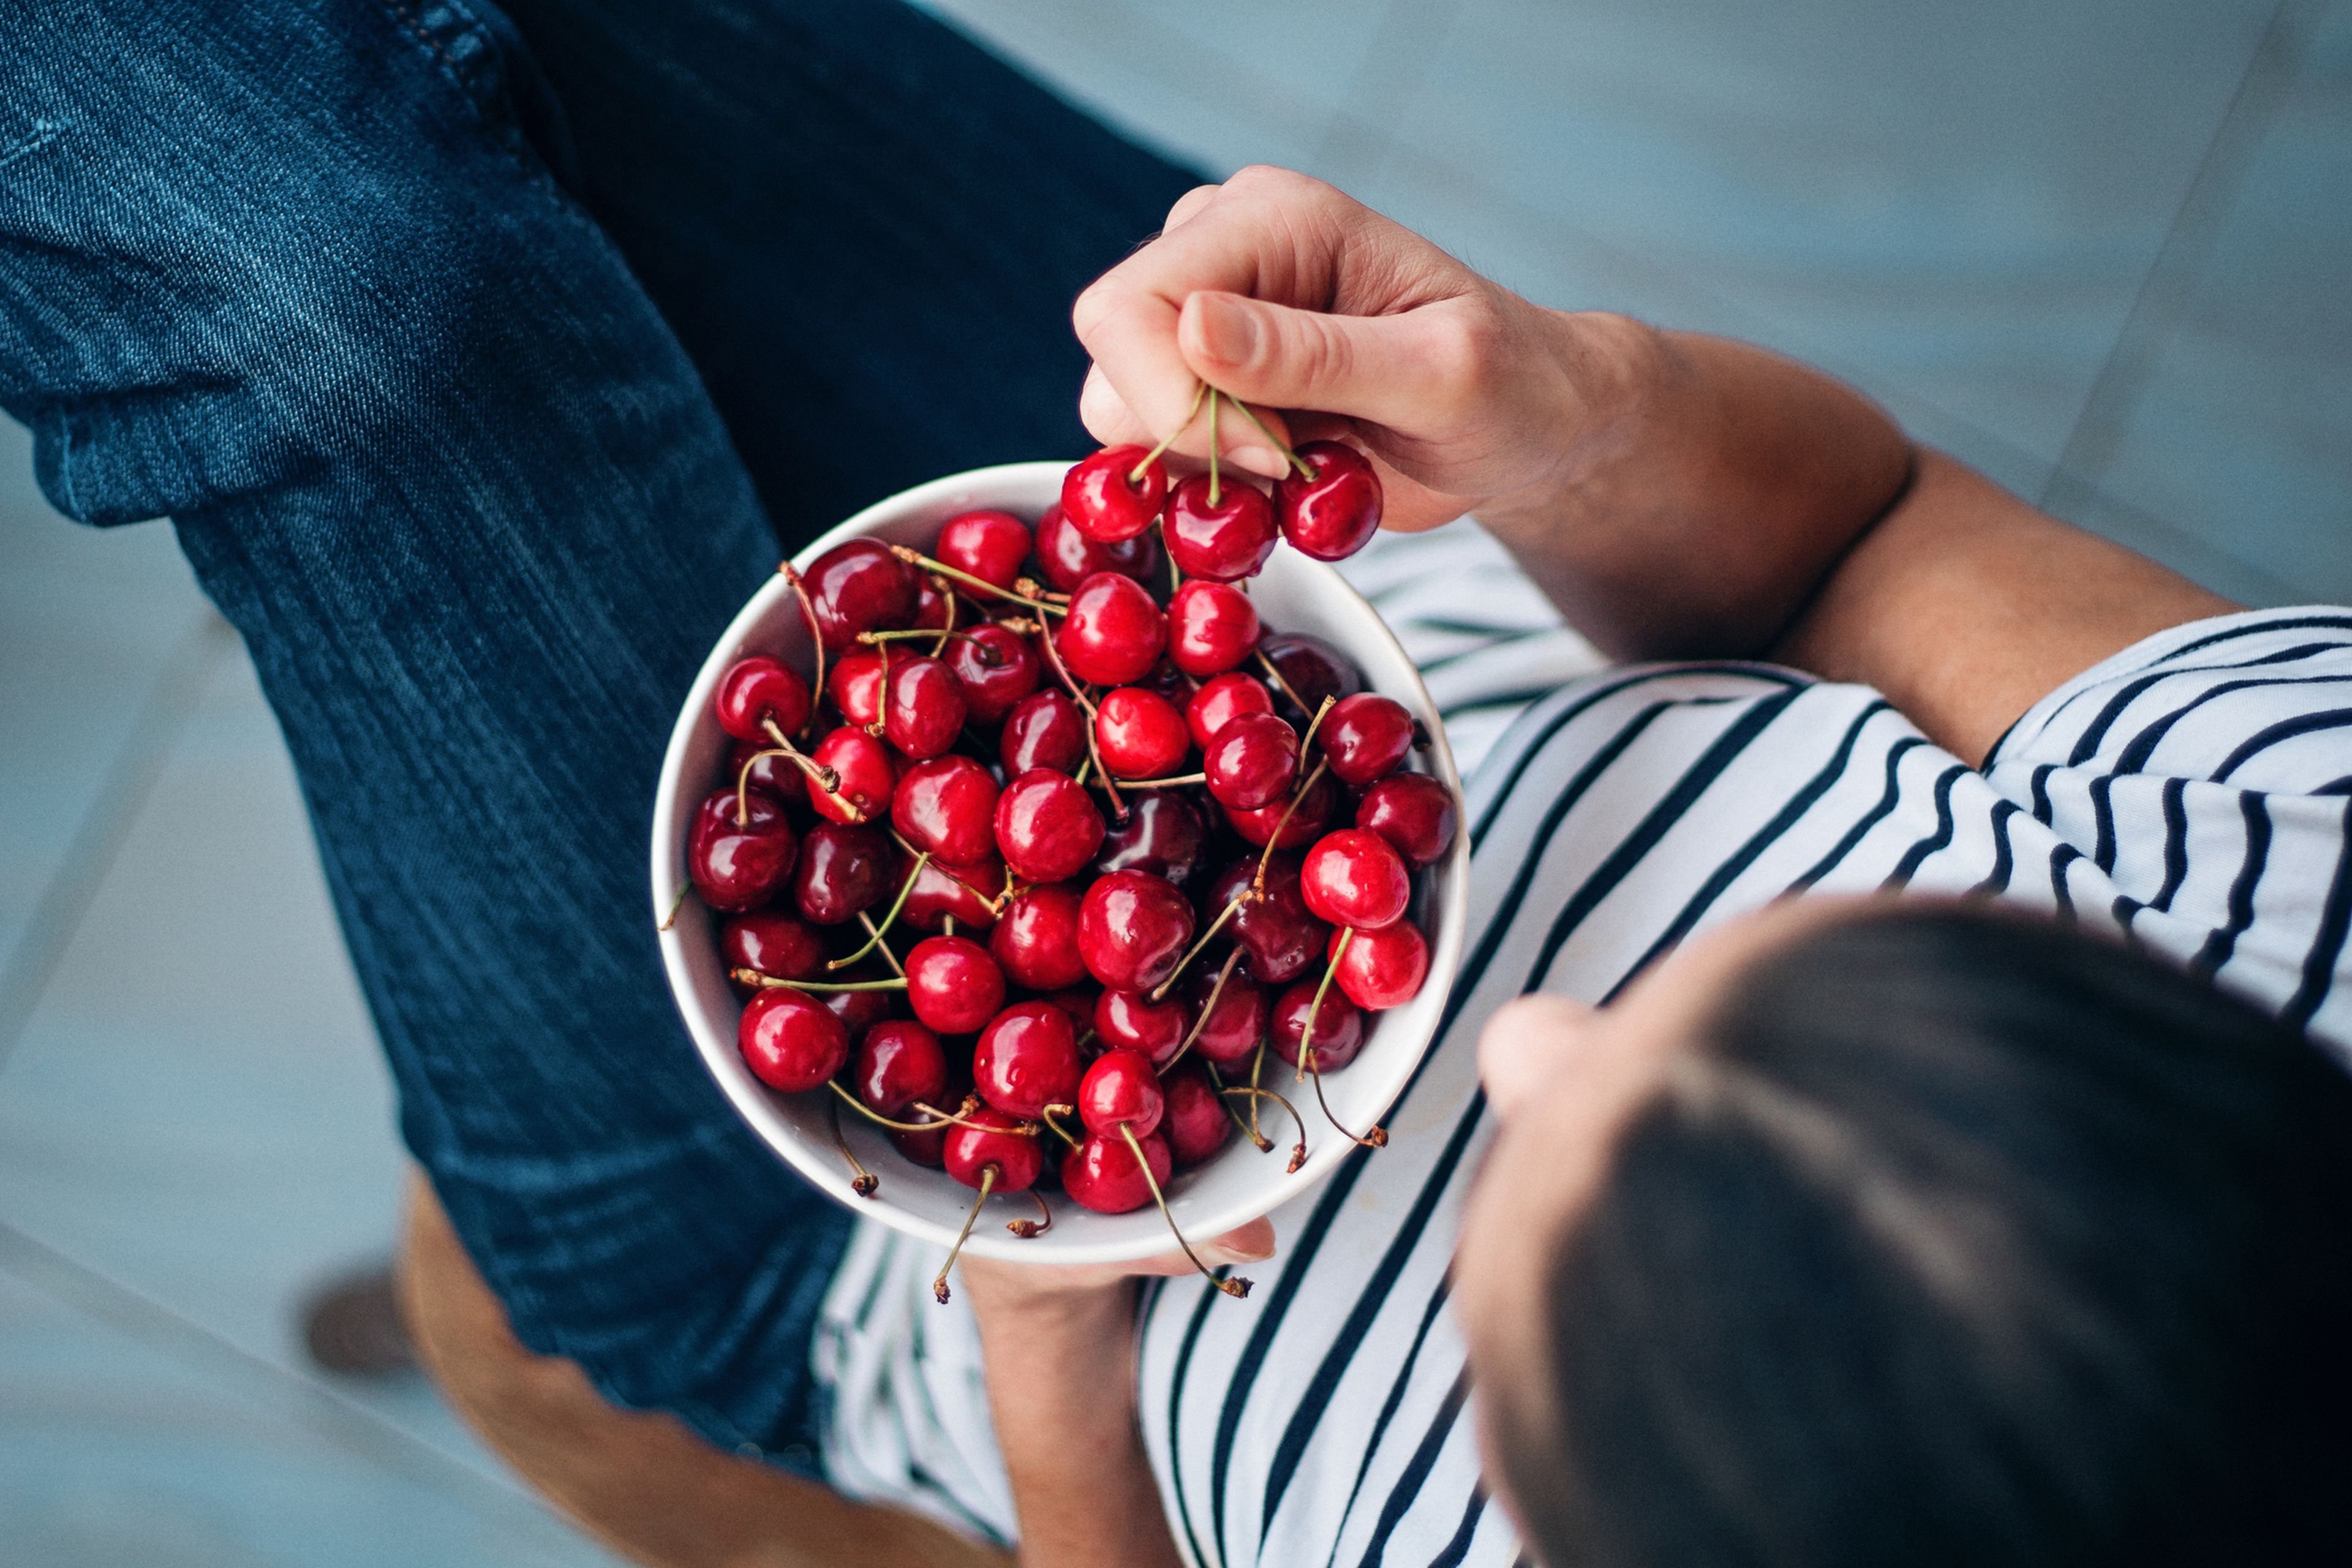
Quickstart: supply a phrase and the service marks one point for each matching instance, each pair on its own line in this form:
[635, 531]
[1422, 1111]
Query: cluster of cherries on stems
[1081, 790]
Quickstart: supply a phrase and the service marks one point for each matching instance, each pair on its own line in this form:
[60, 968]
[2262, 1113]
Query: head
[1872, 1231]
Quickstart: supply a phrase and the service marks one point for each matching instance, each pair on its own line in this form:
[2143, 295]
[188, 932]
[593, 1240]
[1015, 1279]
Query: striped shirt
[2194, 792]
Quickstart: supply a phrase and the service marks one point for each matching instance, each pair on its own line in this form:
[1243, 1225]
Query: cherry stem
[949, 630]
[1232, 904]
[988, 1174]
[864, 1182]
[875, 639]
[1216, 397]
[1175, 576]
[1304, 472]
[1029, 1229]
[769, 981]
[917, 558]
[995, 905]
[1265, 1144]
[1059, 1130]
[1377, 1138]
[1238, 1288]
[1299, 1151]
[676, 904]
[1257, 1064]
[1314, 1008]
[1207, 1007]
[826, 779]
[961, 1117]
[876, 1117]
[1266, 858]
[874, 937]
[808, 612]
[875, 932]
[1168, 782]
[1200, 390]
[1273, 674]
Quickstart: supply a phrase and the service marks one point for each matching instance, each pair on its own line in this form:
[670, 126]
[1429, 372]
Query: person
[473, 358]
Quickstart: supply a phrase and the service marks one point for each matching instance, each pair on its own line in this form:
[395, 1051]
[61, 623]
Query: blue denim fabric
[484, 363]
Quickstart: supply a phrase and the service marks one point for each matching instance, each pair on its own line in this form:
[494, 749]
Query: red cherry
[1046, 729]
[1036, 942]
[998, 667]
[1133, 927]
[1212, 626]
[868, 776]
[858, 586]
[1131, 1021]
[854, 683]
[1220, 700]
[931, 603]
[1163, 834]
[928, 1148]
[771, 769]
[989, 545]
[1338, 1025]
[739, 865]
[1336, 513]
[1000, 1140]
[924, 711]
[1366, 736]
[1352, 877]
[1078, 1002]
[789, 1042]
[1277, 930]
[858, 1010]
[1414, 812]
[953, 984]
[1101, 1174]
[1383, 968]
[1027, 1058]
[944, 890]
[1225, 542]
[1114, 633]
[772, 943]
[844, 870]
[1068, 557]
[1312, 668]
[1306, 824]
[948, 806]
[1121, 1087]
[899, 1063]
[1105, 502]
[759, 688]
[1253, 762]
[1048, 829]
[1236, 1025]
[1195, 1121]
[1139, 735]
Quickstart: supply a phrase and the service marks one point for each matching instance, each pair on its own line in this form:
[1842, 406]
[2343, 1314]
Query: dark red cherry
[1164, 834]
[1382, 969]
[1338, 1025]
[868, 776]
[1414, 812]
[859, 586]
[1131, 1021]
[1277, 930]
[772, 943]
[990, 545]
[759, 688]
[953, 984]
[854, 683]
[1107, 501]
[1222, 698]
[1138, 734]
[928, 1148]
[1000, 1140]
[1305, 824]
[740, 866]
[1114, 633]
[945, 891]
[1236, 1025]
[1334, 514]
[1224, 542]
[1048, 829]
[1101, 1174]
[1353, 878]
[930, 602]
[1195, 1121]
[858, 1010]
[1046, 729]
[1036, 941]
[1311, 667]
[844, 870]
[1253, 761]
[899, 1063]
[1212, 626]
[1068, 557]
[789, 1042]
[923, 713]
[1121, 1087]
[1078, 1002]
[771, 769]
[1027, 1058]
[948, 806]
[1366, 736]
[998, 667]
[1133, 927]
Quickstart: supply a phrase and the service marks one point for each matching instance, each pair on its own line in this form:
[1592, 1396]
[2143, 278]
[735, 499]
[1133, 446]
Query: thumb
[1377, 368]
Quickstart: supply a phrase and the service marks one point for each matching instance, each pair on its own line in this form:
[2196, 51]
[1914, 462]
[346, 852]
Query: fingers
[1252, 1243]
[1380, 368]
[1188, 204]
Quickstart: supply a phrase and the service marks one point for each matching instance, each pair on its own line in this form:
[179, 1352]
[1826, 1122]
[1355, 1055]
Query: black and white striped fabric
[2195, 792]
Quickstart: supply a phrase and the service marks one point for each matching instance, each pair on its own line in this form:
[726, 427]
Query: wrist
[1602, 370]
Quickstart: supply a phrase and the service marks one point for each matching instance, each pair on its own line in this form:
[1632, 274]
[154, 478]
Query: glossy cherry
[1107, 500]
[931, 603]
[1380, 969]
[1001, 1141]
[854, 682]
[1078, 1002]
[998, 667]
[1121, 1087]
[1235, 1025]
[1366, 737]
[843, 870]
[1044, 730]
[1139, 734]
[1334, 514]
[1027, 1058]
[1193, 1121]
[759, 688]
[1414, 812]
[923, 709]
[773, 944]
[990, 545]
[1164, 834]
[858, 586]
[771, 769]
[866, 773]
[1133, 927]
[1220, 700]
[1048, 829]
[928, 1148]
[858, 1010]
[1277, 930]
[1114, 633]
[1338, 1025]
[740, 864]
[1354, 878]
[1101, 1174]
[1068, 557]
[1131, 1021]
[953, 984]
[790, 1042]
[1036, 940]
[1311, 667]
[900, 1062]
[1211, 627]
[944, 890]
[1224, 542]
[948, 806]
[1303, 825]
[1253, 762]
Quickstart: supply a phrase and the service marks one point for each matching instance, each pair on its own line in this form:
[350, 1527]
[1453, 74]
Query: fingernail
[1229, 331]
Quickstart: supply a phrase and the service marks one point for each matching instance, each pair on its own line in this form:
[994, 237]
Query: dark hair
[1959, 1237]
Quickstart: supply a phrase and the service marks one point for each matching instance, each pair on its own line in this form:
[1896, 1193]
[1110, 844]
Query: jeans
[484, 363]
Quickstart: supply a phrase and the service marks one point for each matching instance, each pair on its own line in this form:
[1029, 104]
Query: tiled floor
[2098, 247]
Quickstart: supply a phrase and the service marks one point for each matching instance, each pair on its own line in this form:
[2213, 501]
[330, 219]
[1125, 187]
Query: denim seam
[44, 131]
[406, 15]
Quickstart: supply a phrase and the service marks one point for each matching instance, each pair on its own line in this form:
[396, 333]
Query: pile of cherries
[1146, 842]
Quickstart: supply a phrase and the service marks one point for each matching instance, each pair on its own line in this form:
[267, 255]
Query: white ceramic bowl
[1294, 594]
